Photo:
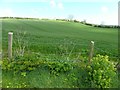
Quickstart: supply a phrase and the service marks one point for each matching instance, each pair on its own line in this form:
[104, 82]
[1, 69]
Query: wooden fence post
[10, 38]
[91, 50]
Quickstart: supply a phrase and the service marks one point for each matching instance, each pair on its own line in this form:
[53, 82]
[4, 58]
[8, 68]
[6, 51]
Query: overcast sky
[93, 11]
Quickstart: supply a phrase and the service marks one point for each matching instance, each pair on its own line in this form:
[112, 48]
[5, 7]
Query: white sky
[93, 11]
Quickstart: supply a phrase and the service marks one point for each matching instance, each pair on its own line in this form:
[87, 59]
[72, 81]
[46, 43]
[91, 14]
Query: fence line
[10, 42]
[91, 50]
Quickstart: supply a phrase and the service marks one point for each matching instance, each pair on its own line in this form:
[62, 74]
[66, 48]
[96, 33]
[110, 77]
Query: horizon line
[50, 19]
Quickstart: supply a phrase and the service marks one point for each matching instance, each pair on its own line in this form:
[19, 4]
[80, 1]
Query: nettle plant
[100, 72]
[56, 67]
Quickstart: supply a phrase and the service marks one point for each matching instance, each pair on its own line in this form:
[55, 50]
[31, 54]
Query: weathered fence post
[10, 37]
[91, 50]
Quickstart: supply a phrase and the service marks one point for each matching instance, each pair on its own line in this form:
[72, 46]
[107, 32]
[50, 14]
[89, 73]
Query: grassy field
[50, 39]
[43, 36]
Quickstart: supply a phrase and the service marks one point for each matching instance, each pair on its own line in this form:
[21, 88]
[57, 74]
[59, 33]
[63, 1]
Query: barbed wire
[81, 52]
[83, 48]
[64, 44]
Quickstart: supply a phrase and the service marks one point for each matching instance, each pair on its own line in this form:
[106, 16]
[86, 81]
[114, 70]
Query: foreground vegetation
[31, 71]
[49, 53]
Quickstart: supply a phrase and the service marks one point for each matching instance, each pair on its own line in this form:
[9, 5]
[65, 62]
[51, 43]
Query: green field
[55, 41]
[43, 36]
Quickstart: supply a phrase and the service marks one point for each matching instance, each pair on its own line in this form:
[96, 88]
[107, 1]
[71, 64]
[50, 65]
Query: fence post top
[92, 42]
[10, 33]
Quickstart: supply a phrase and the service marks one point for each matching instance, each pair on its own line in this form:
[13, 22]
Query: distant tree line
[68, 20]
[101, 26]
[89, 24]
[107, 26]
[17, 18]
[44, 19]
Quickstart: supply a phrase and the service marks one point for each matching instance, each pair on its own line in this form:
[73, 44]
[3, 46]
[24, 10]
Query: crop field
[44, 36]
[50, 53]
